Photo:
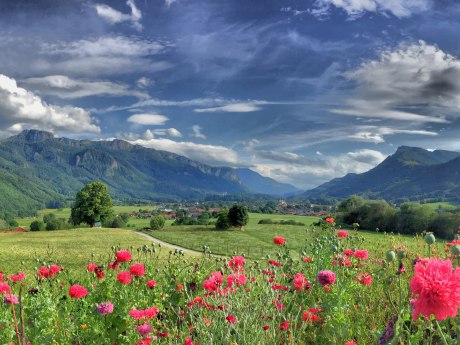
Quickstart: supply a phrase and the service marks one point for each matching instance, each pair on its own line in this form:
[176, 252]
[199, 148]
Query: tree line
[408, 218]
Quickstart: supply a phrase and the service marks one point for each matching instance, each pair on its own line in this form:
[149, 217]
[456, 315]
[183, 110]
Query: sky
[302, 91]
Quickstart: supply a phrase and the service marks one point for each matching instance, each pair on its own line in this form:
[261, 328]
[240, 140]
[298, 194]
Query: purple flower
[326, 277]
[10, 299]
[105, 308]
[144, 329]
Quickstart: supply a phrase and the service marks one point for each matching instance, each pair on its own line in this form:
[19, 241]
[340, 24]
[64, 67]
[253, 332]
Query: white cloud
[20, 109]
[377, 134]
[113, 16]
[356, 8]
[106, 55]
[416, 82]
[197, 133]
[144, 82]
[172, 132]
[231, 108]
[148, 119]
[322, 168]
[69, 88]
[168, 3]
[208, 154]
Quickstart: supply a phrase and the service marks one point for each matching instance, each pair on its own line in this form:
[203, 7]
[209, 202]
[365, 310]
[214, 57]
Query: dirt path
[166, 244]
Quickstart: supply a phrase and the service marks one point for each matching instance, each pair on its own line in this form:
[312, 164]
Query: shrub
[37, 225]
[157, 222]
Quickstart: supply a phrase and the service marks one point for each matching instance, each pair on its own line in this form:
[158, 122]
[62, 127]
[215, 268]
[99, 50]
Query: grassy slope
[71, 248]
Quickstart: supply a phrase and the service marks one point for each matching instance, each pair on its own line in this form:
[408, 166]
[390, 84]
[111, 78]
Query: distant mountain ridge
[410, 173]
[37, 169]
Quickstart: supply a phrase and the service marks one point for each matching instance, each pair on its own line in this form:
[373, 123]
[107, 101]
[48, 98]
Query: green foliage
[409, 218]
[238, 216]
[223, 222]
[37, 225]
[157, 222]
[204, 218]
[281, 222]
[92, 204]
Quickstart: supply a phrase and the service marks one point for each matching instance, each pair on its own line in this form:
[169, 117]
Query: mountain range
[37, 170]
[411, 173]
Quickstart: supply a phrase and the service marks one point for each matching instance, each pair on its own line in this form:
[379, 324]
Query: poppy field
[336, 291]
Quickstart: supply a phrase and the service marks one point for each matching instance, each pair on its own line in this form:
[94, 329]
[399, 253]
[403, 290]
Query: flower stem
[441, 333]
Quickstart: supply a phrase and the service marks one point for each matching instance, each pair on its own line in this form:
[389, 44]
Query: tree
[92, 204]
[37, 225]
[157, 222]
[238, 216]
[222, 222]
[204, 218]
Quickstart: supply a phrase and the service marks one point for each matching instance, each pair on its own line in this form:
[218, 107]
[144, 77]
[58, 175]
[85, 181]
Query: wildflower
[123, 256]
[327, 288]
[114, 265]
[401, 268]
[437, 289]
[341, 260]
[300, 282]
[274, 263]
[284, 325]
[206, 321]
[342, 234]
[266, 327]
[136, 314]
[99, 272]
[151, 284]
[137, 269]
[77, 291]
[180, 287]
[17, 277]
[330, 220]
[307, 259]
[10, 299]
[350, 342]
[309, 316]
[144, 329]
[150, 313]
[361, 254]
[389, 332]
[364, 279]
[279, 240]
[91, 267]
[326, 277]
[348, 252]
[4, 288]
[145, 341]
[162, 334]
[124, 277]
[237, 278]
[230, 318]
[236, 263]
[105, 308]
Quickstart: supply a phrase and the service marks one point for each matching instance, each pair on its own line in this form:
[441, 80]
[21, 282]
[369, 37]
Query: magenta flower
[326, 277]
[105, 308]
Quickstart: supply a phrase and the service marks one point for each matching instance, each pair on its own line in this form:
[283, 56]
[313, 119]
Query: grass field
[70, 248]
[256, 240]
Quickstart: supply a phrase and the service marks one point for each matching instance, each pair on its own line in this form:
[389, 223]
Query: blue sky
[301, 91]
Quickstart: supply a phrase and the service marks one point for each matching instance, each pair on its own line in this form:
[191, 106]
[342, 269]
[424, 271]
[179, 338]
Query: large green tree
[92, 204]
[238, 216]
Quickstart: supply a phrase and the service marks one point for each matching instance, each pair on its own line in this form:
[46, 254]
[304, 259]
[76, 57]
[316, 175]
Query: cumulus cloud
[105, 55]
[416, 82]
[356, 8]
[20, 109]
[113, 16]
[309, 173]
[148, 119]
[143, 82]
[172, 132]
[231, 108]
[69, 88]
[208, 154]
[197, 133]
